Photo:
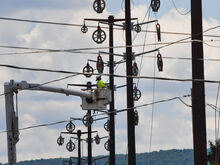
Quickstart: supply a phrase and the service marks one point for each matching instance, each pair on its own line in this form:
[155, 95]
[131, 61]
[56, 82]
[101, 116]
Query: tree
[213, 155]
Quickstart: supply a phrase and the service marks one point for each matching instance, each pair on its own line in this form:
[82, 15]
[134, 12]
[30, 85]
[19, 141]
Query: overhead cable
[115, 75]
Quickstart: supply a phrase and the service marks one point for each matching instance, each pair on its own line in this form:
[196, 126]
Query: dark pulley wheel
[137, 28]
[99, 6]
[99, 36]
[70, 146]
[70, 127]
[88, 70]
[155, 5]
[60, 141]
[84, 29]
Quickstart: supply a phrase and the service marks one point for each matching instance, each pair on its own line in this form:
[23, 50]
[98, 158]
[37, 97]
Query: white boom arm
[91, 100]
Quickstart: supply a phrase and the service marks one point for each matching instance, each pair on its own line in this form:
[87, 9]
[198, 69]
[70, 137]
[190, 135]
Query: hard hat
[98, 78]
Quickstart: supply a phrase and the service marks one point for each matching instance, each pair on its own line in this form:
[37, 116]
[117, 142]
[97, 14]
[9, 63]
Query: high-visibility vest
[100, 84]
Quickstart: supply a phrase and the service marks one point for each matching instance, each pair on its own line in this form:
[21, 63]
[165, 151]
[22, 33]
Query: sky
[172, 120]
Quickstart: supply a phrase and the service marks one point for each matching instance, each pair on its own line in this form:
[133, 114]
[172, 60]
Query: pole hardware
[107, 145]
[87, 120]
[137, 27]
[99, 35]
[135, 69]
[136, 118]
[70, 146]
[155, 5]
[70, 127]
[136, 94]
[159, 62]
[84, 28]
[60, 140]
[88, 70]
[158, 32]
[99, 6]
[107, 126]
[99, 64]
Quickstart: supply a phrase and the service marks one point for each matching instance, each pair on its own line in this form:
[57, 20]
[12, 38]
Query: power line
[181, 13]
[84, 50]
[116, 111]
[115, 75]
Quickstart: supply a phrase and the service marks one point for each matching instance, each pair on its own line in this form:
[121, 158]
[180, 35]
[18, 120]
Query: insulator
[136, 117]
[70, 127]
[84, 28]
[137, 28]
[107, 145]
[99, 64]
[135, 69]
[99, 35]
[155, 5]
[99, 6]
[158, 32]
[87, 120]
[60, 141]
[107, 126]
[70, 146]
[159, 62]
[97, 139]
[136, 94]
[88, 70]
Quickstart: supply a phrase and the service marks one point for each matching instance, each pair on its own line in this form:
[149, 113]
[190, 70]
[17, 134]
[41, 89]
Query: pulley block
[135, 69]
[99, 64]
[107, 126]
[87, 120]
[60, 141]
[155, 5]
[70, 127]
[136, 94]
[97, 139]
[159, 62]
[88, 70]
[99, 6]
[136, 117]
[107, 145]
[158, 32]
[84, 28]
[70, 146]
[99, 35]
[137, 28]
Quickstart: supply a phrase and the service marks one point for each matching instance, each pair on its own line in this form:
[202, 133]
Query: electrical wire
[115, 112]
[143, 105]
[181, 13]
[115, 75]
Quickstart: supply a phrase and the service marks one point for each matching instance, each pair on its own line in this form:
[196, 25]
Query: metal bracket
[125, 56]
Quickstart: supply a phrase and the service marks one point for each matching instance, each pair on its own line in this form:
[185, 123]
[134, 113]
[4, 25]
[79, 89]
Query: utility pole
[111, 20]
[130, 99]
[79, 147]
[111, 80]
[89, 141]
[198, 87]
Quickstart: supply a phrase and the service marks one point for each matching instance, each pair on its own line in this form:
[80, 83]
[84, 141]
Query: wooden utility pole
[130, 99]
[198, 87]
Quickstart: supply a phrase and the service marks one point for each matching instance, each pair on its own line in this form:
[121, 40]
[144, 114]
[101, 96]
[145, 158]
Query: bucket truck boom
[96, 99]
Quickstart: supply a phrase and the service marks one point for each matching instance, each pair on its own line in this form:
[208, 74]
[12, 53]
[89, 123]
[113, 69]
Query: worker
[100, 83]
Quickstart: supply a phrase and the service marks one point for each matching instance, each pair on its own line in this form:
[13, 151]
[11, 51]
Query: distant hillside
[168, 157]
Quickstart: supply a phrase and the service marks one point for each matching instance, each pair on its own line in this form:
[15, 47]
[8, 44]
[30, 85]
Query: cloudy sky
[172, 121]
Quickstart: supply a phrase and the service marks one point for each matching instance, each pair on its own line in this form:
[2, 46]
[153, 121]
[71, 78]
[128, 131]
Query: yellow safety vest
[100, 84]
